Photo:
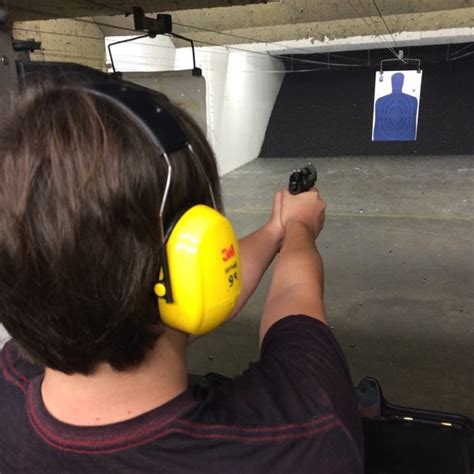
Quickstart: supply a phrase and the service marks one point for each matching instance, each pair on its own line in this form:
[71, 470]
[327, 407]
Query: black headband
[164, 131]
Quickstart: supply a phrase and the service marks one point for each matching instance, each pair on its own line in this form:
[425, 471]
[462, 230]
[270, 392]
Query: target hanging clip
[401, 58]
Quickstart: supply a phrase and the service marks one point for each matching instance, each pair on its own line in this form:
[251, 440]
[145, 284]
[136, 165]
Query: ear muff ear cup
[204, 268]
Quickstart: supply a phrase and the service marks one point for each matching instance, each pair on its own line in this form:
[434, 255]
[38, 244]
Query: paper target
[396, 105]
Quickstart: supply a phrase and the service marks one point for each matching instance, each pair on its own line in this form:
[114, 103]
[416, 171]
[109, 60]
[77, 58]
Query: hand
[307, 208]
[274, 224]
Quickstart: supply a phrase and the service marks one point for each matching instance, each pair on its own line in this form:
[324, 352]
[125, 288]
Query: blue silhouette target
[396, 113]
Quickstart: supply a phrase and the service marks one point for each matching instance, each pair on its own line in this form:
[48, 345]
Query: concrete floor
[399, 262]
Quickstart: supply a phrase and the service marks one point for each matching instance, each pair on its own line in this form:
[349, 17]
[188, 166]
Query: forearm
[257, 251]
[297, 280]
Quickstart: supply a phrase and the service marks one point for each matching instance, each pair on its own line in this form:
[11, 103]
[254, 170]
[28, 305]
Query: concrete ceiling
[288, 20]
[318, 22]
[25, 10]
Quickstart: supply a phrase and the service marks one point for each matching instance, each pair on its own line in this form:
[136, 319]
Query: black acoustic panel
[329, 113]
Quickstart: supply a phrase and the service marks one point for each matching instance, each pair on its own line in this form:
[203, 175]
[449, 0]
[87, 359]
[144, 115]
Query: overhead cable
[386, 26]
[281, 57]
[364, 17]
[465, 55]
[252, 40]
[30, 30]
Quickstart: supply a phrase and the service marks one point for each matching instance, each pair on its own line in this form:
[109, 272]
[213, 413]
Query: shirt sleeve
[304, 359]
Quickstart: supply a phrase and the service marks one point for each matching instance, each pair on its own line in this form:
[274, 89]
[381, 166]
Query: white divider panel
[184, 89]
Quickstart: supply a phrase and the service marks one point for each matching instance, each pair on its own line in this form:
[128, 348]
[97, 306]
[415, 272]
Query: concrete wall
[65, 40]
[241, 89]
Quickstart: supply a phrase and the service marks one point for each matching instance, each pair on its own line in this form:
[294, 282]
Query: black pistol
[303, 179]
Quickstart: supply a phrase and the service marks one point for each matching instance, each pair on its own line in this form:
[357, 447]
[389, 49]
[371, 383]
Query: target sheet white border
[411, 86]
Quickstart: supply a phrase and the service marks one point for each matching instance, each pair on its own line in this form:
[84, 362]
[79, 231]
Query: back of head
[81, 185]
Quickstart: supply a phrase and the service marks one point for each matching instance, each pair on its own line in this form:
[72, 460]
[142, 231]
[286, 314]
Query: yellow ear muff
[204, 269]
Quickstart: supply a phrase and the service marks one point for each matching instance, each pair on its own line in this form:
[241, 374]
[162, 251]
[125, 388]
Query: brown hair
[80, 190]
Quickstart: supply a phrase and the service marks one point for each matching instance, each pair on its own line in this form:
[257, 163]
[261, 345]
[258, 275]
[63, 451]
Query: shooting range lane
[398, 253]
[329, 113]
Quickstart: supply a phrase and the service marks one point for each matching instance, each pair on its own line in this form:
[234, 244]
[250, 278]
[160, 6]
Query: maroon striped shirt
[294, 411]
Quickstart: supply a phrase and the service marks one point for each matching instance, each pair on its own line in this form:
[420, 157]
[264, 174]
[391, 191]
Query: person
[92, 379]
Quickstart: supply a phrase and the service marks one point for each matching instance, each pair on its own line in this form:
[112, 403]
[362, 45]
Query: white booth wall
[241, 90]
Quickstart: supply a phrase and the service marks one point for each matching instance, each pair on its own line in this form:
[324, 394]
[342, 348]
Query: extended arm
[297, 281]
[257, 251]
